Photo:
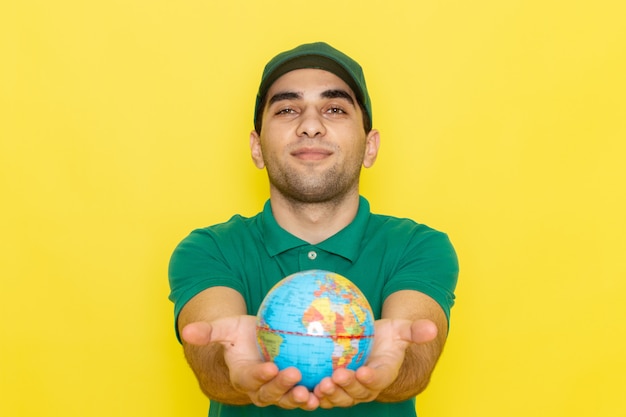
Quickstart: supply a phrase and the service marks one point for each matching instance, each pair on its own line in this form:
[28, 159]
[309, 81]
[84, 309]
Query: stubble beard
[331, 186]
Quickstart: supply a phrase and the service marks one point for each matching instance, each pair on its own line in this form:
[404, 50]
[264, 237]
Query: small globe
[316, 321]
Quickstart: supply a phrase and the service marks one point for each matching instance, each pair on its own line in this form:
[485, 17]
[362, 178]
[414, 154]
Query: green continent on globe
[269, 342]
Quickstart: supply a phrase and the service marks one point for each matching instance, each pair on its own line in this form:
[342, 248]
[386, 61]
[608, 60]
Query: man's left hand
[392, 337]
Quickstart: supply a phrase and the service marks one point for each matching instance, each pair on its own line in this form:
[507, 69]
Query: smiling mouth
[311, 154]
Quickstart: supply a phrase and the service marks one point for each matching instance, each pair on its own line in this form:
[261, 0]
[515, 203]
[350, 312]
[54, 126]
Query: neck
[314, 222]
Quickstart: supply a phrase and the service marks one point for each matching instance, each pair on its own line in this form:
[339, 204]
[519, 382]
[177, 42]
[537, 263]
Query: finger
[325, 388]
[367, 377]
[251, 378]
[352, 385]
[380, 371]
[331, 395]
[312, 402]
[273, 391]
[344, 378]
[338, 398]
[342, 389]
[299, 397]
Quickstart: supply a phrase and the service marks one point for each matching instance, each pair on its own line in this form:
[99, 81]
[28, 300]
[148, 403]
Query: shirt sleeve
[197, 264]
[428, 264]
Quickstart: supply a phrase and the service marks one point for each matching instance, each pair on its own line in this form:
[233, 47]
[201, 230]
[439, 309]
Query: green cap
[318, 55]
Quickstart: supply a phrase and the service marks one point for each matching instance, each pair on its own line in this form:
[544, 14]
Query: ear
[255, 150]
[372, 143]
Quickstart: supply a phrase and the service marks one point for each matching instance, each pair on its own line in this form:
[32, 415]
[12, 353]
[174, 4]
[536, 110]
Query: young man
[313, 134]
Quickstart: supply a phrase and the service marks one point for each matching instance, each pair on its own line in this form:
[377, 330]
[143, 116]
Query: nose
[311, 124]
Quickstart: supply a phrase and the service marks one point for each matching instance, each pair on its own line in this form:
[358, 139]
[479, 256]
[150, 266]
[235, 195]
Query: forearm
[419, 358]
[414, 376]
[206, 358]
[207, 363]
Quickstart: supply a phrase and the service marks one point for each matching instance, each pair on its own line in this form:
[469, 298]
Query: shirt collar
[345, 243]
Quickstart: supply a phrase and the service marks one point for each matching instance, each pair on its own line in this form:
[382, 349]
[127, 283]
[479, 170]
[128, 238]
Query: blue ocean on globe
[316, 321]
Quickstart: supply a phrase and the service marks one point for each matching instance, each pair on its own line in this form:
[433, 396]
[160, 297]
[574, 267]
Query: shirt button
[312, 255]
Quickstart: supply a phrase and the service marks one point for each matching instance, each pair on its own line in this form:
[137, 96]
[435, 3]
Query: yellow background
[124, 125]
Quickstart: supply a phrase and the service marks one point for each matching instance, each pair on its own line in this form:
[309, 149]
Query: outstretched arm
[428, 339]
[219, 344]
[408, 341]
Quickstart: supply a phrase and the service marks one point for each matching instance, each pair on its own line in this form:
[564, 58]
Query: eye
[286, 110]
[335, 110]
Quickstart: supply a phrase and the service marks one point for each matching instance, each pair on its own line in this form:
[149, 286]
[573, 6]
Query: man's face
[312, 140]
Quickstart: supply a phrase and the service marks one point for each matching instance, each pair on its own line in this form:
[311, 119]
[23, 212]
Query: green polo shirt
[380, 254]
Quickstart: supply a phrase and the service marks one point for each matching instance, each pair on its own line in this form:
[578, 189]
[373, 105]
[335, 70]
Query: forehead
[308, 80]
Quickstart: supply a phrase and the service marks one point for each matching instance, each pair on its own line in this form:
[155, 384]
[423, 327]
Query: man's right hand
[261, 381]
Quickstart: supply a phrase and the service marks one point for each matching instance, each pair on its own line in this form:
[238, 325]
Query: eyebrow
[338, 94]
[289, 95]
[284, 96]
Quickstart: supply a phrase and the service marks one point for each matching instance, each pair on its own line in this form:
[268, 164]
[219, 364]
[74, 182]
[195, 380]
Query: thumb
[423, 331]
[198, 333]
